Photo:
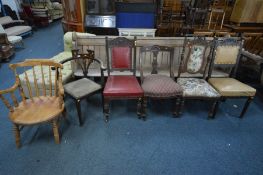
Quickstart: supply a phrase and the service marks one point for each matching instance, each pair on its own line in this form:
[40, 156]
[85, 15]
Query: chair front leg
[17, 135]
[144, 107]
[181, 106]
[139, 107]
[177, 107]
[106, 109]
[79, 112]
[213, 109]
[55, 131]
[246, 106]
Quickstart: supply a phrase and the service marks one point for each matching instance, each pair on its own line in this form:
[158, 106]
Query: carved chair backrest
[156, 54]
[226, 54]
[41, 84]
[194, 59]
[121, 54]
[82, 61]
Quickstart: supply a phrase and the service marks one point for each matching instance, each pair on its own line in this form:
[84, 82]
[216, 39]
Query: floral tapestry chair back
[194, 59]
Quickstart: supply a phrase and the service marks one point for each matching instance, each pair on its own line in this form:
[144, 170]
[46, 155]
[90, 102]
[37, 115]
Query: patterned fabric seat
[194, 87]
[156, 85]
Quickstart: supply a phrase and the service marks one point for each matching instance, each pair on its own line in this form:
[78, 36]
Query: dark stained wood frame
[118, 42]
[206, 44]
[230, 42]
[84, 61]
[155, 50]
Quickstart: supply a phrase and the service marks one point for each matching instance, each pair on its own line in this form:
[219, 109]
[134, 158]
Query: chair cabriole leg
[177, 107]
[144, 108]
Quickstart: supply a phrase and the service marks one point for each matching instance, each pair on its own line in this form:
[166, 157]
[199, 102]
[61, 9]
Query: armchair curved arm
[102, 67]
[11, 91]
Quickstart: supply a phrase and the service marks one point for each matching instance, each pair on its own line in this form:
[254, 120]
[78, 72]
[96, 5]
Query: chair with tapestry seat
[194, 61]
[121, 57]
[156, 85]
[226, 54]
[44, 107]
[84, 86]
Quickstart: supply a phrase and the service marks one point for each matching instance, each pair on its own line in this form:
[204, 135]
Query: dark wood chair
[121, 57]
[192, 73]
[6, 48]
[157, 85]
[226, 54]
[84, 86]
[42, 106]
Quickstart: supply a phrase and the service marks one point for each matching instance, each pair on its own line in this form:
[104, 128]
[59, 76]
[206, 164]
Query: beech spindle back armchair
[44, 106]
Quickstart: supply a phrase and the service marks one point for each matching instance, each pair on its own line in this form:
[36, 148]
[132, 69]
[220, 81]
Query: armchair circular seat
[40, 109]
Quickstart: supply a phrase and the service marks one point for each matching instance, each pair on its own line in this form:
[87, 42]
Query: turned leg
[246, 106]
[55, 131]
[177, 107]
[79, 112]
[17, 135]
[144, 107]
[139, 108]
[106, 109]
[64, 113]
[213, 109]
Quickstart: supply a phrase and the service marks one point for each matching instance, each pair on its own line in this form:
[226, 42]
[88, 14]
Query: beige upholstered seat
[231, 87]
[227, 52]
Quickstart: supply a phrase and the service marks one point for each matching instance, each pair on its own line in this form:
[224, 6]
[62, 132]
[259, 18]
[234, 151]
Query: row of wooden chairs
[199, 57]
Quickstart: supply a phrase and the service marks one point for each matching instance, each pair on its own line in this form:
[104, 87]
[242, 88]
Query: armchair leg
[17, 135]
[79, 112]
[106, 110]
[246, 106]
[55, 131]
[213, 109]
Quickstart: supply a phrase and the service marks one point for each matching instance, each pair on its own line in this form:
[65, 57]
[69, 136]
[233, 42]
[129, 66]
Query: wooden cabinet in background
[247, 11]
[73, 15]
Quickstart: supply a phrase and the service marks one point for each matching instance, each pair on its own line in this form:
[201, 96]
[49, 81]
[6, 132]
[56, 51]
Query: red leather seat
[122, 86]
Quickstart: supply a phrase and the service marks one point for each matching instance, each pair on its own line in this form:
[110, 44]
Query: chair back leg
[246, 106]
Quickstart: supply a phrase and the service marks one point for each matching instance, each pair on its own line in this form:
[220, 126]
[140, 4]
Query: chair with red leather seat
[121, 57]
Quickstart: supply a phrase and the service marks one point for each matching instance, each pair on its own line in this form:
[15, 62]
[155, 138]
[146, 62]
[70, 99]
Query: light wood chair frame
[59, 92]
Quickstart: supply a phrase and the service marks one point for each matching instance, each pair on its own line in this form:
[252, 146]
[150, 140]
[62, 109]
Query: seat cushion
[160, 86]
[195, 87]
[122, 86]
[17, 30]
[81, 88]
[231, 87]
[42, 109]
